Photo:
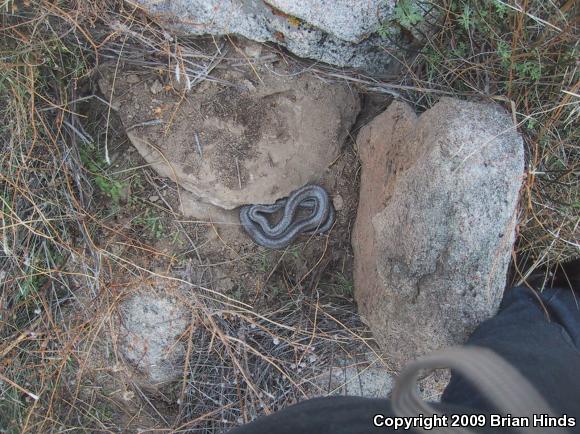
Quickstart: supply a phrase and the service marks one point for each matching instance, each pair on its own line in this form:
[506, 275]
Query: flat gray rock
[255, 140]
[435, 225]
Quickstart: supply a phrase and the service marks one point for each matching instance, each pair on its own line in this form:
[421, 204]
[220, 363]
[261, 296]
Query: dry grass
[64, 280]
[58, 290]
[46, 201]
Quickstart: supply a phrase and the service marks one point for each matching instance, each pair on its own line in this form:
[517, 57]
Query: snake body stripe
[279, 235]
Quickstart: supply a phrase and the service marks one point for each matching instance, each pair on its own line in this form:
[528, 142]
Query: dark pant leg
[538, 334]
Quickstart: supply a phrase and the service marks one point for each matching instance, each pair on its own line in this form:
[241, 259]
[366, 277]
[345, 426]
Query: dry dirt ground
[165, 324]
[197, 327]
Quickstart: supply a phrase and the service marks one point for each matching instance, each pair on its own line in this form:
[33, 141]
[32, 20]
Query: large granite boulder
[435, 224]
[339, 32]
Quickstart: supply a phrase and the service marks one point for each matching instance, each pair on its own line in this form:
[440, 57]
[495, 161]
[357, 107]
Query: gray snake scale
[312, 198]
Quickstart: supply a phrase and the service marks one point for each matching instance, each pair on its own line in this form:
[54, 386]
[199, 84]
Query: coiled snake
[278, 236]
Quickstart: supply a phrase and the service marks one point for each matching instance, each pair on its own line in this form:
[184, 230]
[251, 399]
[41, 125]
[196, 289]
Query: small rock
[151, 326]
[133, 79]
[226, 284]
[128, 395]
[436, 191]
[156, 87]
[253, 50]
[338, 202]
[249, 85]
[153, 198]
[222, 281]
[243, 147]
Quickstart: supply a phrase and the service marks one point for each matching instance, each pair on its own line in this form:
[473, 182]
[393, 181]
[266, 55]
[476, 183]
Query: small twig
[238, 169]
[83, 135]
[148, 401]
[198, 145]
[533, 17]
[145, 124]
[22, 389]
[84, 98]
